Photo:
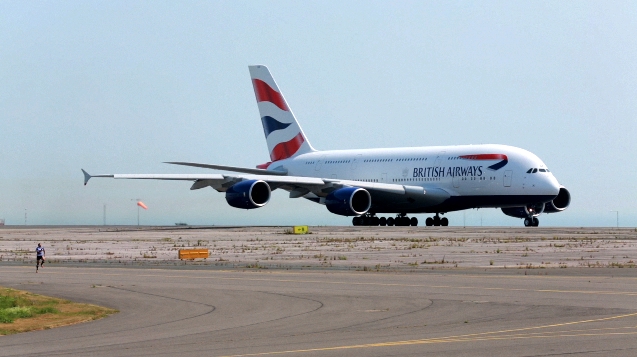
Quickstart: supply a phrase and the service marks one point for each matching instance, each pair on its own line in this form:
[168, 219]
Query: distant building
[1, 221]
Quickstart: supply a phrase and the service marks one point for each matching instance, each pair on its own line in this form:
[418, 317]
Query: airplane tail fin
[282, 131]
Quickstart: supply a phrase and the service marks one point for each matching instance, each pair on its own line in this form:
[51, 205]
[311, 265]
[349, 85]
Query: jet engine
[349, 201]
[248, 194]
[530, 210]
[559, 203]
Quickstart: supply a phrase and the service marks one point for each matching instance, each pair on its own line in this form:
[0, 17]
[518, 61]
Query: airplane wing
[298, 186]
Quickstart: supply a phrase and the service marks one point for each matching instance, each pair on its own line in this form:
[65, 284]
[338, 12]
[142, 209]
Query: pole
[137, 202]
[25, 216]
[105, 214]
[616, 217]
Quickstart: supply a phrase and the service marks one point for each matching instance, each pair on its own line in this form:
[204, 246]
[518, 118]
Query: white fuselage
[469, 182]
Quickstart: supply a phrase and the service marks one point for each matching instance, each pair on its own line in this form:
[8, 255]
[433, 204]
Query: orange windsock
[141, 204]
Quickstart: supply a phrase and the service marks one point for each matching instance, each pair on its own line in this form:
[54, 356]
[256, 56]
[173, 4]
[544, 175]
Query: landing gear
[531, 222]
[403, 220]
[437, 221]
[370, 219]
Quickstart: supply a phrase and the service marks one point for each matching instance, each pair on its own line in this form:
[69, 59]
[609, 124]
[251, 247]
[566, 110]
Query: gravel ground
[360, 248]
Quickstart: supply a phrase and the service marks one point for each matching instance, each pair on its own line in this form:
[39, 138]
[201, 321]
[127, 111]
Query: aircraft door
[456, 181]
[508, 175]
[439, 158]
[319, 163]
[356, 160]
[383, 177]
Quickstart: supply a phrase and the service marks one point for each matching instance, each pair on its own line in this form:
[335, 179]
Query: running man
[40, 252]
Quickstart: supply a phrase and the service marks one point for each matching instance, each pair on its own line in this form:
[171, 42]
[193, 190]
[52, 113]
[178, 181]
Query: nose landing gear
[531, 222]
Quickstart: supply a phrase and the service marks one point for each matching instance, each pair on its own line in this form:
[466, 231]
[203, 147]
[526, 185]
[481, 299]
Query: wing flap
[245, 170]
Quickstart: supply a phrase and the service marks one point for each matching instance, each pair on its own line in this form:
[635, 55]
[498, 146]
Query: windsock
[141, 204]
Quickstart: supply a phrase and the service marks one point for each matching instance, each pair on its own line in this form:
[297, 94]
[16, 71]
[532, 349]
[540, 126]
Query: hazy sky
[121, 86]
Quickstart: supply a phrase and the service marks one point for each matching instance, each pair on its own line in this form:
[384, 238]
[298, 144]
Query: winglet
[86, 177]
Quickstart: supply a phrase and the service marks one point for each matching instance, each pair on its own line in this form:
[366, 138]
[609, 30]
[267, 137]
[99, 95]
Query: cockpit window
[530, 170]
[542, 170]
[534, 170]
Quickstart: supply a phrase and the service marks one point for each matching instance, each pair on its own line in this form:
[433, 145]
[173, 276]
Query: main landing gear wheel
[403, 220]
[436, 221]
[370, 219]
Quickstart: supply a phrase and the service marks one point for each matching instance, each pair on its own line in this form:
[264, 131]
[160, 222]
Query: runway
[167, 312]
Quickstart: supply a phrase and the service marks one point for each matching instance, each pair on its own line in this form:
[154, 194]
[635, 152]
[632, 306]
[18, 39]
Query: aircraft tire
[390, 221]
[527, 222]
[413, 221]
[356, 221]
[436, 221]
[429, 222]
[536, 222]
[444, 222]
[375, 221]
[382, 221]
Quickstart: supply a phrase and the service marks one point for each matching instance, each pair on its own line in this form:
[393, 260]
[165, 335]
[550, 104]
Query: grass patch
[22, 311]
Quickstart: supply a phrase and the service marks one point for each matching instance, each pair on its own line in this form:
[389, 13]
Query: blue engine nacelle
[559, 203]
[349, 201]
[249, 194]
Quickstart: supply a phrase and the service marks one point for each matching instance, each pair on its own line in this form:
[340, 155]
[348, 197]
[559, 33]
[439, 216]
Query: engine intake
[349, 201]
[248, 194]
[530, 210]
[559, 203]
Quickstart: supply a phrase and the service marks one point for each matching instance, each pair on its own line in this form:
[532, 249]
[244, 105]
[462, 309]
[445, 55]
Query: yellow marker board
[193, 253]
[301, 229]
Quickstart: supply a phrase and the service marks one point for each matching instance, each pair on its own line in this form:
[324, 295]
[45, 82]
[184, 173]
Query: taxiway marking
[484, 336]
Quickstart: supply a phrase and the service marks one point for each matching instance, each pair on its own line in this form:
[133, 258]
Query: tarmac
[309, 308]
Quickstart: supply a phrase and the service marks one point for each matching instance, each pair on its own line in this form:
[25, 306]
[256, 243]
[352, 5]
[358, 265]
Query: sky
[122, 86]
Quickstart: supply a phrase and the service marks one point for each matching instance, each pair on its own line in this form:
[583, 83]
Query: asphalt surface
[167, 312]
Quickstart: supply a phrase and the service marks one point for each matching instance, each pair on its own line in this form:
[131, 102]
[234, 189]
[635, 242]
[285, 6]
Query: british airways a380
[368, 182]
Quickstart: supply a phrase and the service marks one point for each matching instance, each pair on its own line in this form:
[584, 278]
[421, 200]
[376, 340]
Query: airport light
[617, 214]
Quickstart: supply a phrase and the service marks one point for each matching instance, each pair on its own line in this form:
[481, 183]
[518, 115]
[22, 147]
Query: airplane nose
[551, 185]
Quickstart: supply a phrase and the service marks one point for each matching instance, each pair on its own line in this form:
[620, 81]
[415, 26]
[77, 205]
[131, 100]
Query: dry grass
[63, 313]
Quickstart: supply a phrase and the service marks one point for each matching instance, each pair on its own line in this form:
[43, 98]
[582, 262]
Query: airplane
[366, 182]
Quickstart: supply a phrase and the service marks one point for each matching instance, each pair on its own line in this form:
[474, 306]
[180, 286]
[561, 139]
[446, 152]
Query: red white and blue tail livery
[282, 132]
[367, 182]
